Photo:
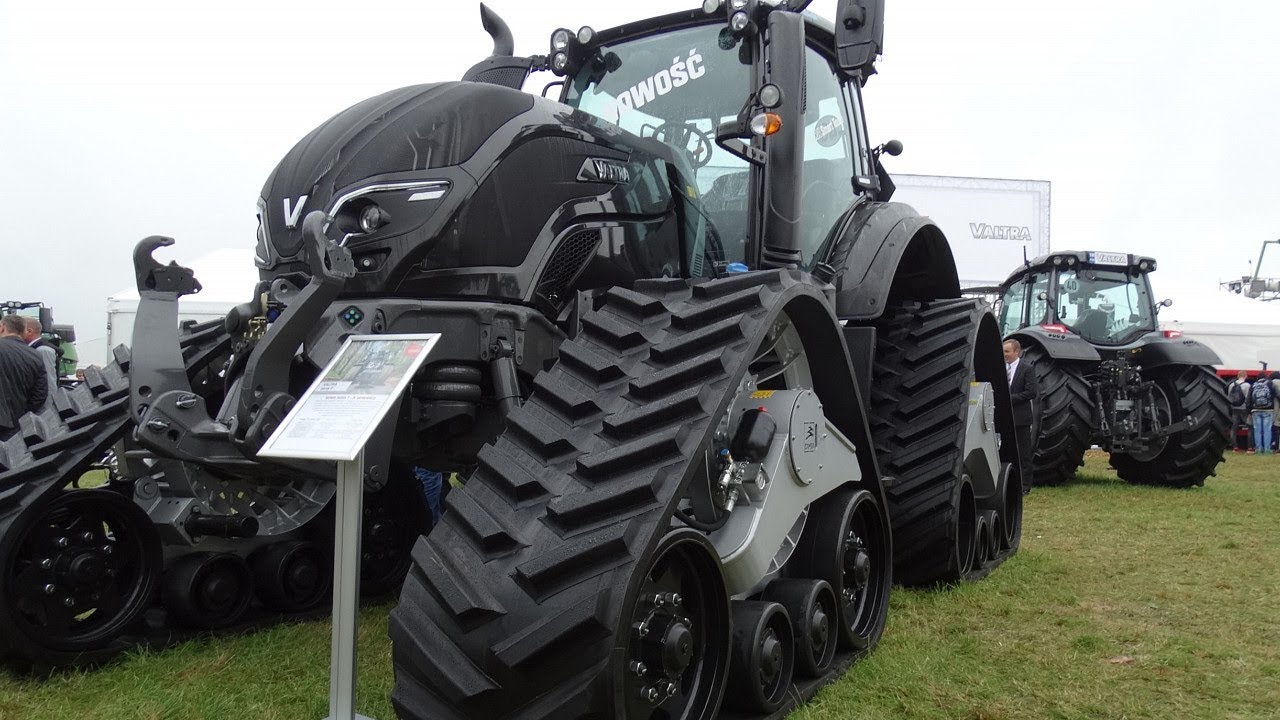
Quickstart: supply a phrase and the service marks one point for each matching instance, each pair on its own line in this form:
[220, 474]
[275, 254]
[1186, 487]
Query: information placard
[338, 413]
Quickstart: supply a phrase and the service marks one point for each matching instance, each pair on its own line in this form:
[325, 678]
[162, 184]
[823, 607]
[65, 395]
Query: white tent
[227, 277]
[1241, 347]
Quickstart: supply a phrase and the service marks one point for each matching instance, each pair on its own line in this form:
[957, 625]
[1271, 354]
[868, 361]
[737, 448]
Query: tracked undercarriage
[710, 392]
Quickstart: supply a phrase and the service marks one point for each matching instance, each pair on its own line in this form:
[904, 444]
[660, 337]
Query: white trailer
[989, 222]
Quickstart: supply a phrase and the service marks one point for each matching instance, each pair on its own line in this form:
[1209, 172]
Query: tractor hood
[458, 188]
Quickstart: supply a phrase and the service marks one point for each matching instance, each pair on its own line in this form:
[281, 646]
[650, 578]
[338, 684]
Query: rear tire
[1191, 455]
[1065, 418]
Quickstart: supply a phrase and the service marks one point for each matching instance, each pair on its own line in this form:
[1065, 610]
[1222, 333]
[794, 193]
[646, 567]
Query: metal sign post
[333, 421]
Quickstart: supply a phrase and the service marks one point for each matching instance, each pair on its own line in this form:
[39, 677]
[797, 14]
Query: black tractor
[1108, 375]
[709, 392]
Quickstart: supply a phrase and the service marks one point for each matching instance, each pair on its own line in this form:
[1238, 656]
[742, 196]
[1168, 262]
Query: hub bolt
[61, 542]
[69, 602]
[650, 694]
[671, 688]
[49, 589]
[676, 599]
[107, 550]
[46, 564]
[659, 599]
[87, 537]
[638, 667]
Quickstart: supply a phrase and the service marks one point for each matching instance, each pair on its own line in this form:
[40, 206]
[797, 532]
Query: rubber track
[1193, 455]
[57, 445]
[1066, 418]
[919, 401]
[510, 607]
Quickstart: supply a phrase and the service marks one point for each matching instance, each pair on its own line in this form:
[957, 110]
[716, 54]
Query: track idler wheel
[208, 590]
[291, 576]
[811, 604]
[846, 543]
[678, 652]
[75, 576]
[1012, 510]
[763, 657]
[982, 541]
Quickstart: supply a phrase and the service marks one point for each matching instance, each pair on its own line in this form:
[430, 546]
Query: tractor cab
[1104, 298]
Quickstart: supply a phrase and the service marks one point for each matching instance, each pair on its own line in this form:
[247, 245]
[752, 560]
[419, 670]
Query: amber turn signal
[766, 124]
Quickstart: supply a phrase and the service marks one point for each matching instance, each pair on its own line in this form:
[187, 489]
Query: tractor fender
[886, 252]
[1154, 350]
[1059, 346]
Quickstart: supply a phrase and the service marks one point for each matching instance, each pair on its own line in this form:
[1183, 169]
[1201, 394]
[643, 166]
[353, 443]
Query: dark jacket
[23, 388]
[1025, 394]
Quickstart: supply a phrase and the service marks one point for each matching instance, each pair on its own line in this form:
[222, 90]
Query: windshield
[675, 88]
[1104, 306]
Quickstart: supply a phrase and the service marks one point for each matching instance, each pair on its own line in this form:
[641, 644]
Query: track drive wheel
[1186, 458]
[846, 542]
[678, 652]
[291, 576]
[763, 657]
[927, 354]
[1066, 417]
[75, 576]
[208, 590]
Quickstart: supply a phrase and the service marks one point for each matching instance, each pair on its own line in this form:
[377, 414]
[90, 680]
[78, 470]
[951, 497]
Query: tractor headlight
[372, 217]
[560, 39]
[559, 62]
[739, 22]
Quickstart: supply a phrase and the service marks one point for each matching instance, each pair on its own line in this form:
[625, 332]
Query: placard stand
[334, 420]
[346, 590]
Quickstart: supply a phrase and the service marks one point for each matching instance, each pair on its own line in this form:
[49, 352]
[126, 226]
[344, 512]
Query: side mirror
[1167, 302]
[859, 35]
[893, 148]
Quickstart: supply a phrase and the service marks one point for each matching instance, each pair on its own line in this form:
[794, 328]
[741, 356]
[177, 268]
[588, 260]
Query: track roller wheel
[982, 540]
[1011, 509]
[965, 545]
[76, 574]
[291, 576]
[812, 607]
[763, 657]
[678, 653]
[846, 543]
[208, 590]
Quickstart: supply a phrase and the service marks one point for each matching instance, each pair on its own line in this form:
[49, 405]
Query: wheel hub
[770, 658]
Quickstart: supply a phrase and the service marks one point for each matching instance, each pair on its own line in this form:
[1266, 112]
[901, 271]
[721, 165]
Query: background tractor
[710, 391]
[1109, 376]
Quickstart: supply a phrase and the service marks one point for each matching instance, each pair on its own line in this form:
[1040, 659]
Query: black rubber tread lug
[731, 284]
[576, 624]
[439, 661]
[656, 414]
[715, 335]
[686, 373]
[612, 333]
[618, 498]
[723, 307]
[1192, 455]
[453, 580]
[546, 441]
[594, 367]
[567, 399]
[485, 530]
[1065, 422]
[576, 559]
[645, 452]
[510, 478]
[638, 306]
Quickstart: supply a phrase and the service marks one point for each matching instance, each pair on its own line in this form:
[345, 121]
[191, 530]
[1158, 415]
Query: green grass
[1124, 602]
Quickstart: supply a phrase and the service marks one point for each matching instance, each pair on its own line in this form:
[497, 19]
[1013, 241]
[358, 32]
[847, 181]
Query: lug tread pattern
[508, 477]
[603, 509]
[919, 401]
[484, 528]
[1066, 418]
[1193, 455]
[453, 580]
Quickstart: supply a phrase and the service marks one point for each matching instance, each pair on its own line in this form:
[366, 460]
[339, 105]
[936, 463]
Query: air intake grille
[565, 263]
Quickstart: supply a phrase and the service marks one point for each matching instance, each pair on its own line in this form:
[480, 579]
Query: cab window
[827, 187]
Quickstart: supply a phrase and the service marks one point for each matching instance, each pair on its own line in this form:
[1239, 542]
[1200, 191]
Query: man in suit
[1025, 394]
[22, 383]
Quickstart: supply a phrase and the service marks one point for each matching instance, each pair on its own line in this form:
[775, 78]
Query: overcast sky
[1154, 121]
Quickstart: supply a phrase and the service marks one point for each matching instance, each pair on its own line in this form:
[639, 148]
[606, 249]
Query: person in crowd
[1025, 394]
[1275, 410]
[1238, 398]
[23, 387]
[31, 333]
[1262, 401]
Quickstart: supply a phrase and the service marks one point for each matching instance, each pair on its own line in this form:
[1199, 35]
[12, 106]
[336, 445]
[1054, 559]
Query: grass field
[1124, 602]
